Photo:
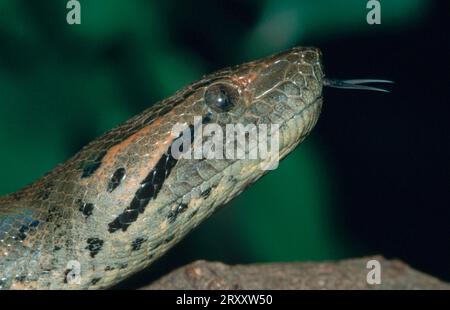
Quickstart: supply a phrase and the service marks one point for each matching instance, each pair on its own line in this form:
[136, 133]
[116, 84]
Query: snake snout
[301, 67]
[286, 84]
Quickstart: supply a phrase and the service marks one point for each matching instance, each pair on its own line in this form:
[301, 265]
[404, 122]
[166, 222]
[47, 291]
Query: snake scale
[123, 200]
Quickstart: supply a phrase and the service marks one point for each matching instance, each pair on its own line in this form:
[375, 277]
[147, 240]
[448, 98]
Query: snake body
[123, 200]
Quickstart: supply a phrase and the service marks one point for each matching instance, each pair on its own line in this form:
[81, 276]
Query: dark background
[373, 177]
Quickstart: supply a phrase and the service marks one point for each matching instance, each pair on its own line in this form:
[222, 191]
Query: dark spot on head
[123, 266]
[123, 220]
[56, 248]
[86, 208]
[170, 238]
[69, 243]
[34, 224]
[23, 232]
[95, 281]
[94, 246]
[54, 213]
[24, 229]
[205, 194]
[173, 214]
[20, 278]
[115, 180]
[109, 268]
[92, 165]
[148, 189]
[136, 244]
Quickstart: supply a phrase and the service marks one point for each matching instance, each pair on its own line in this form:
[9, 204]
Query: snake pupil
[221, 97]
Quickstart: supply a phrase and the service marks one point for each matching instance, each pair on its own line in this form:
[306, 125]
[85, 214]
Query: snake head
[283, 89]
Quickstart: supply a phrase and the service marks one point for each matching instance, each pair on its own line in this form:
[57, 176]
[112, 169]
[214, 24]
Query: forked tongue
[356, 84]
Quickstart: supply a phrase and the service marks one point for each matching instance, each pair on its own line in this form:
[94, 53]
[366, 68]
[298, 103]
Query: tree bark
[345, 274]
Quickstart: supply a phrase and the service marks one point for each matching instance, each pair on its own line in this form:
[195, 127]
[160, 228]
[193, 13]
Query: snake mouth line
[317, 100]
[288, 147]
[229, 141]
[309, 124]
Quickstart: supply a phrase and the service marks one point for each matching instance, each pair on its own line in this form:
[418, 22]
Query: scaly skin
[122, 201]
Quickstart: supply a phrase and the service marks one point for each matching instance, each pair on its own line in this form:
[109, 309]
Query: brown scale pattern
[66, 215]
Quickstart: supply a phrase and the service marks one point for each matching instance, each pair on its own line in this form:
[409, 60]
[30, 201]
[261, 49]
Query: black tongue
[356, 84]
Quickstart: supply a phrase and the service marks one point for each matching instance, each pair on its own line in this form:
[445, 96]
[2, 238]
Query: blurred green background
[63, 85]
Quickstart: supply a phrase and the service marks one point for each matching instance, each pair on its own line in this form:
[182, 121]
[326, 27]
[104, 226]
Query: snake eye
[221, 97]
